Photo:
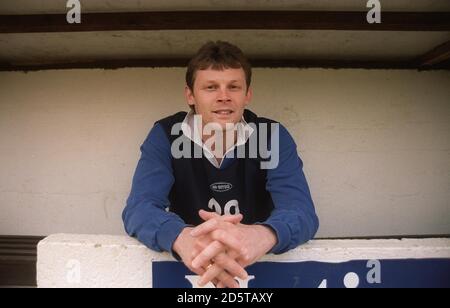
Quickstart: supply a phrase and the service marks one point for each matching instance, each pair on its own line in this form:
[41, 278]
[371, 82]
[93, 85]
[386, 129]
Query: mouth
[224, 112]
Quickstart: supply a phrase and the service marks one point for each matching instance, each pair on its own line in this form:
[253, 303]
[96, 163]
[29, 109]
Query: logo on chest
[221, 187]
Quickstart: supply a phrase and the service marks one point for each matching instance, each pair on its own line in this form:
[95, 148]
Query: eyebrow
[216, 81]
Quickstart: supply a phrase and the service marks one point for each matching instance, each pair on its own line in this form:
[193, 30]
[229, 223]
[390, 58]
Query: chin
[223, 124]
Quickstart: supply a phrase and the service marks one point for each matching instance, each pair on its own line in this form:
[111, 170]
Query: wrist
[180, 240]
[268, 237]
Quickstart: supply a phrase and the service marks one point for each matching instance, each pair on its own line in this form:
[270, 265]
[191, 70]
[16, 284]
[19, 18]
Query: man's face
[219, 96]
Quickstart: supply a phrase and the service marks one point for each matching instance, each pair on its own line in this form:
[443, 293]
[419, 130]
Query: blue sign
[404, 273]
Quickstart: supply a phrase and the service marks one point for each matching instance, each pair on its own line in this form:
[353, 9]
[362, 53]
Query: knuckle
[214, 223]
[220, 260]
[220, 235]
[217, 245]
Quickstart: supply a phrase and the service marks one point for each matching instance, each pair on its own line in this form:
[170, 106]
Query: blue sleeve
[145, 216]
[294, 219]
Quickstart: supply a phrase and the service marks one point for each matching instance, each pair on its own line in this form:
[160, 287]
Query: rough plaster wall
[375, 145]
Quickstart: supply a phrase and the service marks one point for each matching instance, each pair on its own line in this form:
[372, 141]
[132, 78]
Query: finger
[234, 219]
[198, 271]
[209, 226]
[205, 215]
[230, 265]
[205, 257]
[224, 262]
[200, 245]
[211, 273]
[242, 259]
[195, 253]
[216, 282]
[206, 227]
[202, 242]
[227, 280]
[229, 240]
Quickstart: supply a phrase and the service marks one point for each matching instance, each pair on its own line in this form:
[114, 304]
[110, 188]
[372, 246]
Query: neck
[226, 145]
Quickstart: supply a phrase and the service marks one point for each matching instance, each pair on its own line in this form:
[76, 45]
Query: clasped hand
[221, 248]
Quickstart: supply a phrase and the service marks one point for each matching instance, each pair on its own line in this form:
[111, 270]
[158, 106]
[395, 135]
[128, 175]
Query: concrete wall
[88, 261]
[375, 144]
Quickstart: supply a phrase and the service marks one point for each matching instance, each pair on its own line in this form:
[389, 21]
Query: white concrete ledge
[118, 261]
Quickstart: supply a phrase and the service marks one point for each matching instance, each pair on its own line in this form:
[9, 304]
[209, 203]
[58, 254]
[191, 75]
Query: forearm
[152, 226]
[145, 215]
[293, 219]
[292, 228]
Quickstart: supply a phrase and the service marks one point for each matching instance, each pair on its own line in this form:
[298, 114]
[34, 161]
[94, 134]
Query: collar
[244, 131]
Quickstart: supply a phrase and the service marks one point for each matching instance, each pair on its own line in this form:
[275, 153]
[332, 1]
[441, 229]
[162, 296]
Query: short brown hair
[218, 56]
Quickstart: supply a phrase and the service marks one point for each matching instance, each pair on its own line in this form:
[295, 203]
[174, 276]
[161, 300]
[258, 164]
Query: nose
[223, 95]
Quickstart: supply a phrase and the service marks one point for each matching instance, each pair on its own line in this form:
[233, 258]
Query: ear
[189, 96]
[249, 96]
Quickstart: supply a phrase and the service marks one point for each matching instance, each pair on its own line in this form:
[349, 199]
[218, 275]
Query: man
[224, 209]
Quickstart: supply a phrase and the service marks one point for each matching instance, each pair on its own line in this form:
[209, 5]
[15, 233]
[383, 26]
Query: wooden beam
[256, 63]
[438, 55]
[223, 20]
